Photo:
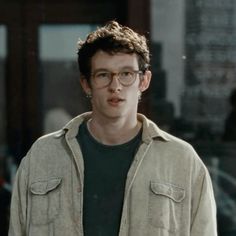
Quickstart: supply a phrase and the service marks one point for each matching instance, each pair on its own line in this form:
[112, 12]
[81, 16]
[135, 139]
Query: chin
[114, 115]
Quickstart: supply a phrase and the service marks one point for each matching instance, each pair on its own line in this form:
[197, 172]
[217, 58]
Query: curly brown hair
[112, 38]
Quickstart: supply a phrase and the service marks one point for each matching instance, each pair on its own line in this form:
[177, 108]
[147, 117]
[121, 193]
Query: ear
[145, 82]
[85, 85]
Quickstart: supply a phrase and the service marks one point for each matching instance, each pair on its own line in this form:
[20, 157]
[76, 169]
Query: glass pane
[6, 165]
[193, 93]
[62, 95]
[3, 52]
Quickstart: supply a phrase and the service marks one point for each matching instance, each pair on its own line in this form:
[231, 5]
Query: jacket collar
[150, 129]
[71, 128]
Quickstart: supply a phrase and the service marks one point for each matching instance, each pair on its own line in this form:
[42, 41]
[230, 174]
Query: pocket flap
[43, 187]
[173, 192]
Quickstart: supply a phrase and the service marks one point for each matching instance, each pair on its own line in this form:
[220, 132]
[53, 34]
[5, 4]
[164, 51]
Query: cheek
[133, 96]
[97, 98]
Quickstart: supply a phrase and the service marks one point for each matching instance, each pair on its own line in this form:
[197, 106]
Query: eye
[102, 75]
[126, 74]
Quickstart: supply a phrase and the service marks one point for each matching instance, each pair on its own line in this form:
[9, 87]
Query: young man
[112, 171]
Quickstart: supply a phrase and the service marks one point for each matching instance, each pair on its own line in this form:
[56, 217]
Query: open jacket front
[168, 188]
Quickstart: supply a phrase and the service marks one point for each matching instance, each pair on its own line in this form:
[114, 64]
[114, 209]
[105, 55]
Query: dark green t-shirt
[106, 168]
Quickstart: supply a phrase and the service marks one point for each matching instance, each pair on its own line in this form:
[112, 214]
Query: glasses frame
[118, 75]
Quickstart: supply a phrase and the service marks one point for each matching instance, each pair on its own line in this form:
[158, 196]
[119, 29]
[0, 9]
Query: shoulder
[55, 145]
[152, 133]
[70, 130]
[177, 143]
[173, 150]
[48, 142]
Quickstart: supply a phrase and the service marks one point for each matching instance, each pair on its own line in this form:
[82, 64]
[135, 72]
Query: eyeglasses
[126, 77]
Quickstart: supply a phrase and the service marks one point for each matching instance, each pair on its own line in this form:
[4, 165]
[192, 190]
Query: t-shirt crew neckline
[101, 145]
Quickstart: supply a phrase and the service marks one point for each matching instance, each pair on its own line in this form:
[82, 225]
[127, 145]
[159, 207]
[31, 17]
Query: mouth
[115, 101]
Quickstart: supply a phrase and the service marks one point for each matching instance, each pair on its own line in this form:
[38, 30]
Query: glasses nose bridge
[113, 75]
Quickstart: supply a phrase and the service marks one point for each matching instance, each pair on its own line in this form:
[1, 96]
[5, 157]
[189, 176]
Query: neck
[113, 132]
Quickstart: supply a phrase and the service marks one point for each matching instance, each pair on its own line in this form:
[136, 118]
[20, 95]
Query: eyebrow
[122, 68]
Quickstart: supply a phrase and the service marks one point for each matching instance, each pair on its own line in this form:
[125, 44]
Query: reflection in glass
[194, 87]
[196, 52]
[61, 92]
[210, 65]
[2, 89]
[167, 61]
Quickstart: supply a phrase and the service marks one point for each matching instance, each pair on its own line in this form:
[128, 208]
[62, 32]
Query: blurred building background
[193, 63]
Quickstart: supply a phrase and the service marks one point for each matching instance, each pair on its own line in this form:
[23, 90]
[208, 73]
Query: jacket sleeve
[203, 221]
[18, 210]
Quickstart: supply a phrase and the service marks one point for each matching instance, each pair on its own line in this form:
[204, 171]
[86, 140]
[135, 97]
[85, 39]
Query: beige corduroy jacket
[168, 189]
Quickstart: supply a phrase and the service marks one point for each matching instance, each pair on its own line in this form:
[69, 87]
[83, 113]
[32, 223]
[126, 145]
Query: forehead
[116, 61]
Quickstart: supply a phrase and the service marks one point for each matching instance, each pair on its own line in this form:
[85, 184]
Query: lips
[115, 100]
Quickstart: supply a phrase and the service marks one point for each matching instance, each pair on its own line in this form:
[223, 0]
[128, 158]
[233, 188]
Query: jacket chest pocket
[45, 201]
[165, 206]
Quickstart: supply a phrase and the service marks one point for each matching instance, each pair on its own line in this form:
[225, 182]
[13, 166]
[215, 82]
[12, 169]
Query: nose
[115, 85]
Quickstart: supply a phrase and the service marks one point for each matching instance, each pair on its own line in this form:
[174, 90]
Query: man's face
[115, 100]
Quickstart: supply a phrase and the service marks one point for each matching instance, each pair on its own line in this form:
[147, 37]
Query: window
[61, 94]
[194, 61]
[3, 53]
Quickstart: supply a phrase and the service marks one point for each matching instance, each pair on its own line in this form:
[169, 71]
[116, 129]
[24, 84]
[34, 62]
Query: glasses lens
[127, 77]
[102, 78]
